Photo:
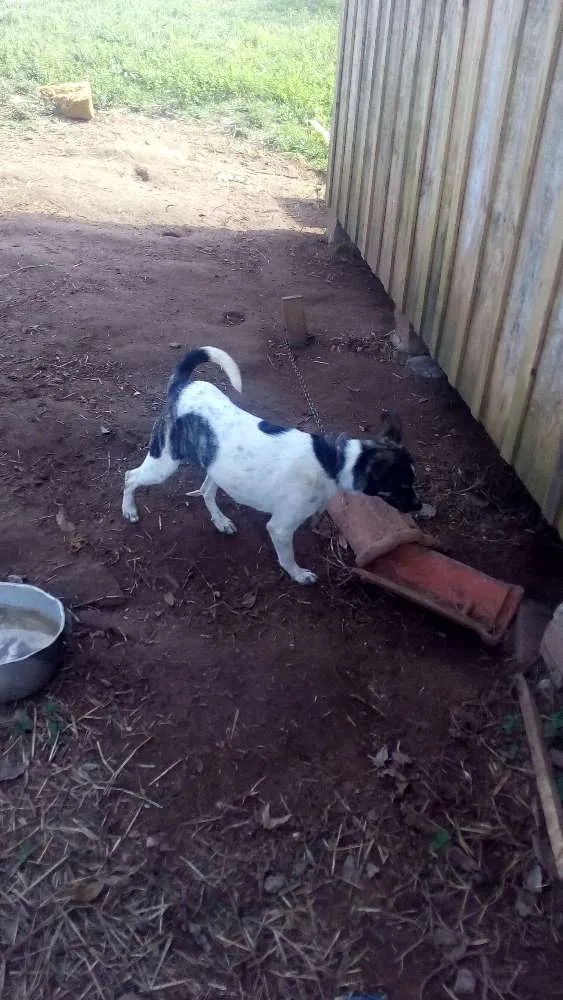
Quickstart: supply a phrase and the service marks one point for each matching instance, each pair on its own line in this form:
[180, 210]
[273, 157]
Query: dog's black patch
[267, 428]
[158, 435]
[387, 472]
[328, 455]
[185, 368]
[193, 441]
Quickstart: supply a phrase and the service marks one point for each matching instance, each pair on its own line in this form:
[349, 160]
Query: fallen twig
[547, 790]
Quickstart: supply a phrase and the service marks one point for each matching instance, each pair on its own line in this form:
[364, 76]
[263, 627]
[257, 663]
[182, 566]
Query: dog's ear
[391, 427]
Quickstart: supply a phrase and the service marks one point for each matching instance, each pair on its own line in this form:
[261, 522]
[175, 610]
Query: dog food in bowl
[32, 623]
[24, 632]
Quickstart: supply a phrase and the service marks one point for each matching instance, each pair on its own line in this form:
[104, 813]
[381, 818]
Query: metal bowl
[23, 677]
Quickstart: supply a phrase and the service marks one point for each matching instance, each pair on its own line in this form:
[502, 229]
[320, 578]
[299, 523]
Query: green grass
[266, 65]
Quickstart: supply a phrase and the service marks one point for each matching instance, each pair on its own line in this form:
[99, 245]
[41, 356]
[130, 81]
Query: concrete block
[551, 647]
[72, 100]
[529, 628]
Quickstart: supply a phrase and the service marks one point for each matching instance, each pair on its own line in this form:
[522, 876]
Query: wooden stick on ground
[547, 788]
[295, 320]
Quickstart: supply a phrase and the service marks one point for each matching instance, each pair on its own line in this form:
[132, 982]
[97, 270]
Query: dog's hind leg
[208, 490]
[281, 530]
[152, 472]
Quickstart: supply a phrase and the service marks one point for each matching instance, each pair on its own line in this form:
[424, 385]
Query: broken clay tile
[447, 587]
[370, 526]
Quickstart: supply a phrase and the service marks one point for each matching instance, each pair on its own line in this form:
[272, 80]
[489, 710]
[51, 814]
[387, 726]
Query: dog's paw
[130, 514]
[225, 525]
[305, 576]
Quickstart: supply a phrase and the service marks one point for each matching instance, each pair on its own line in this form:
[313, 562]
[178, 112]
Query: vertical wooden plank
[441, 118]
[471, 256]
[553, 506]
[424, 86]
[540, 438]
[332, 172]
[469, 86]
[367, 112]
[524, 172]
[381, 187]
[373, 143]
[544, 299]
[338, 179]
[358, 96]
[347, 114]
[407, 96]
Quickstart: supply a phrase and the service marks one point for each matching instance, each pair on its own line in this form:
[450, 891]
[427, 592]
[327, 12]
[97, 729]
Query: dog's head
[385, 469]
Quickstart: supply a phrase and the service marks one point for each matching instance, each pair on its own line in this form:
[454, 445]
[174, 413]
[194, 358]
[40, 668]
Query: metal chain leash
[312, 407]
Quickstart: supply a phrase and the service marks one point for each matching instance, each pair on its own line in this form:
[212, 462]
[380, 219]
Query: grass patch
[266, 65]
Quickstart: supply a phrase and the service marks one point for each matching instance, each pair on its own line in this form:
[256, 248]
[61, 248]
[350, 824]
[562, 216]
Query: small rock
[274, 884]
[422, 366]
[175, 344]
[142, 173]
[464, 982]
[15, 578]
[172, 232]
[372, 870]
[104, 429]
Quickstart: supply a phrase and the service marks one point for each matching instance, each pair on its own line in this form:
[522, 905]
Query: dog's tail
[201, 356]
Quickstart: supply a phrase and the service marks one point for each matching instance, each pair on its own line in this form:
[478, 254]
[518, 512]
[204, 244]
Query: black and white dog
[286, 473]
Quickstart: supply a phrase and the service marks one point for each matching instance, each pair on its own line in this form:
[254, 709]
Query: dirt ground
[237, 787]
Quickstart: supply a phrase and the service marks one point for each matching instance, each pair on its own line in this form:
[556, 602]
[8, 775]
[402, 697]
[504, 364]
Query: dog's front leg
[282, 534]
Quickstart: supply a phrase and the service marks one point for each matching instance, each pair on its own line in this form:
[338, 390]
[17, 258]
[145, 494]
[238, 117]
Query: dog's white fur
[278, 474]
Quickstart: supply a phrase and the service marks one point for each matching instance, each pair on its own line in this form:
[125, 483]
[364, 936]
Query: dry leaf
[444, 937]
[104, 429]
[534, 879]
[63, 523]
[381, 757]
[76, 543]
[525, 903]
[272, 822]
[249, 600]
[460, 860]
[9, 772]
[86, 892]
[169, 599]
[400, 758]
[350, 869]
[456, 953]
[372, 870]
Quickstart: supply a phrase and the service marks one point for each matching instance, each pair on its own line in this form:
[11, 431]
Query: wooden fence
[446, 170]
